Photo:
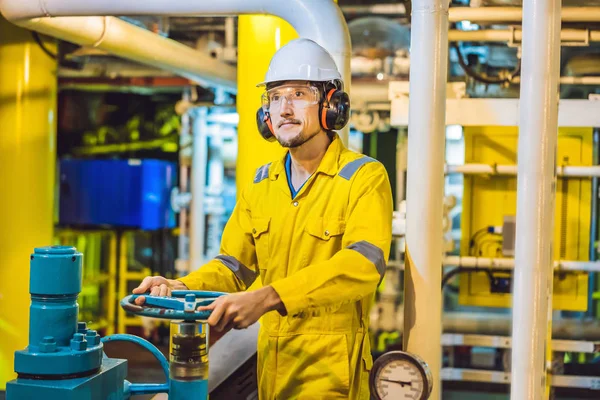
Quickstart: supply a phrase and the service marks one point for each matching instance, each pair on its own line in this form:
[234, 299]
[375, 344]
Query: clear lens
[295, 96]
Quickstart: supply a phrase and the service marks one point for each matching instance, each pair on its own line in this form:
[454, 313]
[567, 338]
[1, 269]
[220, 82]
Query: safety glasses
[296, 96]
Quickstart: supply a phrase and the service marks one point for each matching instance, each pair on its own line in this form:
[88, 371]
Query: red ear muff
[335, 110]
[324, 110]
[265, 127]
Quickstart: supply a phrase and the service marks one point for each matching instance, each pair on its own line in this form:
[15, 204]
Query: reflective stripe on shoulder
[372, 253]
[262, 173]
[242, 272]
[350, 169]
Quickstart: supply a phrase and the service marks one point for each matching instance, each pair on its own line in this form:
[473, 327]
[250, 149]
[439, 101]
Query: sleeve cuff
[191, 282]
[293, 301]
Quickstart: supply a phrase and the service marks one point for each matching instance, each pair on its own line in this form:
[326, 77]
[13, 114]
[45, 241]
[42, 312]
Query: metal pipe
[509, 263]
[594, 225]
[182, 265]
[538, 135]
[377, 9]
[499, 324]
[425, 189]
[514, 14]
[516, 35]
[123, 39]
[198, 188]
[229, 33]
[511, 170]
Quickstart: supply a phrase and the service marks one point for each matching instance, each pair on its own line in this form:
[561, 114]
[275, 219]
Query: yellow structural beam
[259, 37]
[27, 162]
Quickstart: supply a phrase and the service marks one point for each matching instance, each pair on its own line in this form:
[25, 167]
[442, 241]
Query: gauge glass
[400, 379]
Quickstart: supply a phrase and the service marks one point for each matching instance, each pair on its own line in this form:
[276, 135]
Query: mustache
[288, 121]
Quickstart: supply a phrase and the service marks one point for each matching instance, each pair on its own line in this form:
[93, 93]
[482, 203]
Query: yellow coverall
[324, 252]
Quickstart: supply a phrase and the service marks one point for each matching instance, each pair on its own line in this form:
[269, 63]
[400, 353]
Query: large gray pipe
[495, 324]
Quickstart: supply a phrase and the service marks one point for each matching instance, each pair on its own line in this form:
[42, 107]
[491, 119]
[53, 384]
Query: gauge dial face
[400, 376]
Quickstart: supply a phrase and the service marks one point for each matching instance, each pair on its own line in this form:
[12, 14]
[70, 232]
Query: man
[316, 227]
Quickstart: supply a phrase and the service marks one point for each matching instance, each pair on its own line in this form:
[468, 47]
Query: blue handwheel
[181, 306]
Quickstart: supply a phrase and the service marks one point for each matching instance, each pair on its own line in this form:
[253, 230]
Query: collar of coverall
[329, 164]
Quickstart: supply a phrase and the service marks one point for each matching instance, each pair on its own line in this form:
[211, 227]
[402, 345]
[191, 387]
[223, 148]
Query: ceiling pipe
[515, 14]
[134, 43]
[509, 263]
[319, 20]
[571, 36]
[573, 171]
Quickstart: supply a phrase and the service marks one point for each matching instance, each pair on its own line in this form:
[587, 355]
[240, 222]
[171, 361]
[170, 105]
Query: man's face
[294, 110]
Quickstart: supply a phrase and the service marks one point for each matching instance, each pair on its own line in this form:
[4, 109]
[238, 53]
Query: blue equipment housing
[65, 360]
[122, 193]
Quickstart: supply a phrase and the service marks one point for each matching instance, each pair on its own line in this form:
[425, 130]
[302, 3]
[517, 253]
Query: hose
[490, 80]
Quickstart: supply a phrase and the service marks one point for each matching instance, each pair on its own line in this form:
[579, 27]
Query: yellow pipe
[122, 266]
[259, 37]
[112, 283]
[27, 163]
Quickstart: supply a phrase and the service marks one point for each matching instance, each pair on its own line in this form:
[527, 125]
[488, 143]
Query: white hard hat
[302, 60]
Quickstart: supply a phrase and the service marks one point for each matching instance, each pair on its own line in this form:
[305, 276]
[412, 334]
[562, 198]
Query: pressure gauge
[399, 375]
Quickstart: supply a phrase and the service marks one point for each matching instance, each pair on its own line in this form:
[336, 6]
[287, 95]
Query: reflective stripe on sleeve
[372, 253]
[242, 272]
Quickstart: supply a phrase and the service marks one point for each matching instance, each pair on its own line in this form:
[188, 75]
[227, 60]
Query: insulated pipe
[425, 184]
[499, 324]
[131, 42]
[538, 134]
[508, 35]
[511, 170]
[319, 20]
[514, 14]
[198, 187]
[509, 263]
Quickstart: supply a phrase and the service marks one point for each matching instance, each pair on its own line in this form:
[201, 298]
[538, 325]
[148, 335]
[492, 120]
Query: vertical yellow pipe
[259, 37]
[27, 163]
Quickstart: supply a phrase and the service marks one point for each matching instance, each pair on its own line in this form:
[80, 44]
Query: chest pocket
[325, 228]
[260, 233]
[322, 239]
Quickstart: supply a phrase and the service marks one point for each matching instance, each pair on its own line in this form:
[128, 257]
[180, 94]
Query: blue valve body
[108, 383]
[63, 359]
[54, 284]
[54, 347]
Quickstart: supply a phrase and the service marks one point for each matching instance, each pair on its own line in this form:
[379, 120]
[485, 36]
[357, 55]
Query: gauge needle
[409, 383]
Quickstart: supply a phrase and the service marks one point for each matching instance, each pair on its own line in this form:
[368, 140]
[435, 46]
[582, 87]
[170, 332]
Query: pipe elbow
[321, 21]
[16, 11]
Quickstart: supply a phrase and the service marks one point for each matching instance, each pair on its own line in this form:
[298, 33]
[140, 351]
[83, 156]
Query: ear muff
[335, 110]
[265, 127]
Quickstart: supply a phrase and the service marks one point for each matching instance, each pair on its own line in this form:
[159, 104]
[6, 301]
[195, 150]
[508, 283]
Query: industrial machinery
[135, 193]
[64, 359]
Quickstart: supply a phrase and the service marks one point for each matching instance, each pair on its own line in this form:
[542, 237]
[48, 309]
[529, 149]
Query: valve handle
[181, 306]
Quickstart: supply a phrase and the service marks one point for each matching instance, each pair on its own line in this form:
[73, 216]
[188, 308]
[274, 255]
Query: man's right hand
[158, 286]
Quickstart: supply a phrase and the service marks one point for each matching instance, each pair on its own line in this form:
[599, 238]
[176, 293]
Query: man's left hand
[240, 310]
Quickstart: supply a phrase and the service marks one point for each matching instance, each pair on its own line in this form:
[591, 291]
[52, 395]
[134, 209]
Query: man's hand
[240, 310]
[158, 286]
